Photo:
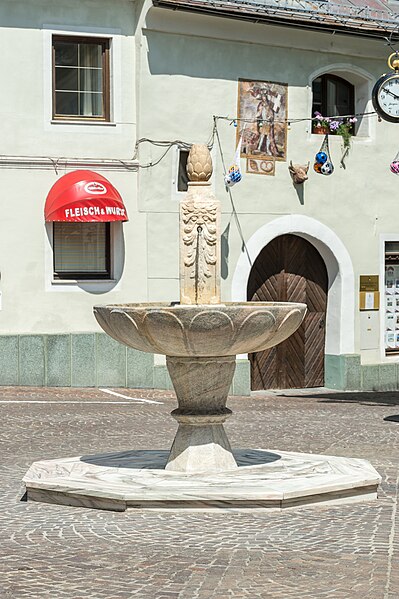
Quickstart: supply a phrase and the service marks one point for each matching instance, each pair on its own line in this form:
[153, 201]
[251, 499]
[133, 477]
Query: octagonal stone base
[263, 480]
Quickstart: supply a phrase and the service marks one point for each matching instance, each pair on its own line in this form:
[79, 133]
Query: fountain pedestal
[201, 385]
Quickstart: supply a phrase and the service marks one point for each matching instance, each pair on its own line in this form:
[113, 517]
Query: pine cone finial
[199, 163]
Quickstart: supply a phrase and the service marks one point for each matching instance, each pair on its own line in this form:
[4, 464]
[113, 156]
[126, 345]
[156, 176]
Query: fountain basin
[200, 342]
[201, 330]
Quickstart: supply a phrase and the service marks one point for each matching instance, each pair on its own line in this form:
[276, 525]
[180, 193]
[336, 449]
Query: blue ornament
[321, 157]
[233, 176]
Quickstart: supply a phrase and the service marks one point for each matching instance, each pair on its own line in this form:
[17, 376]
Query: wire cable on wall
[234, 211]
[232, 120]
[64, 162]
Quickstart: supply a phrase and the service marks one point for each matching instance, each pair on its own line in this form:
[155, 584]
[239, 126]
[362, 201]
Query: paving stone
[340, 552]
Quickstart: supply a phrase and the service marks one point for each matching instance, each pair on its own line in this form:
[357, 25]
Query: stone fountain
[200, 337]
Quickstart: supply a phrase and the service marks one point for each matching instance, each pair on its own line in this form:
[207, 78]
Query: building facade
[122, 92]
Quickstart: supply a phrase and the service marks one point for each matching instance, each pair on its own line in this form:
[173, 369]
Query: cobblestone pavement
[341, 552]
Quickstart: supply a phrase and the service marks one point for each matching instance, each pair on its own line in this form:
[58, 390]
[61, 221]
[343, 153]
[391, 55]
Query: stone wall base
[345, 372]
[96, 360]
[88, 360]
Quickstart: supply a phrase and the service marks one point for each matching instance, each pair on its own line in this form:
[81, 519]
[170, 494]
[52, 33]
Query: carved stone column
[199, 233]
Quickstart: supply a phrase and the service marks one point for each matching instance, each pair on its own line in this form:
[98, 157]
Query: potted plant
[335, 126]
[321, 124]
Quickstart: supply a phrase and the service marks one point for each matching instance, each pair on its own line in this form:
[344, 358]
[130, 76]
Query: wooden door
[290, 269]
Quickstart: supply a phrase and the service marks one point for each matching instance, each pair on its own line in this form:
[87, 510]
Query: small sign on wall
[369, 296]
[369, 283]
[369, 300]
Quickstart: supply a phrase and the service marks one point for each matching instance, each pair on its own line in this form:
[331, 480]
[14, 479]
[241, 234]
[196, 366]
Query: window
[392, 297]
[332, 96]
[81, 78]
[182, 177]
[81, 250]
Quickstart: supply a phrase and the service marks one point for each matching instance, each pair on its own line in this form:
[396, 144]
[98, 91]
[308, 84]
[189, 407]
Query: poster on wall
[392, 307]
[262, 106]
[390, 340]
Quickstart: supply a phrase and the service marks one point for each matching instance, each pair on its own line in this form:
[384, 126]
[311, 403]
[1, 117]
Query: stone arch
[340, 335]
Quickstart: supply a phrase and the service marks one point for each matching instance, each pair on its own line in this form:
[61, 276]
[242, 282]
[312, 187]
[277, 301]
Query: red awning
[84, 197]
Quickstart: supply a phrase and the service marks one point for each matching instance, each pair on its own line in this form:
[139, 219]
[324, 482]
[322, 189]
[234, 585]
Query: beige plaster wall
[189, 69]
[26, 75]
[174, 72]
[30, 301]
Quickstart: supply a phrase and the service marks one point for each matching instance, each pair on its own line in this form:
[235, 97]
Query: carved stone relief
[200, 234]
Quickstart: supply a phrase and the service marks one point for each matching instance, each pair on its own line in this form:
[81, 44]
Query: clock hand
[388, 91]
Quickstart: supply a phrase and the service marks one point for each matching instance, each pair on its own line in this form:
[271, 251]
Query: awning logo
[95, 188]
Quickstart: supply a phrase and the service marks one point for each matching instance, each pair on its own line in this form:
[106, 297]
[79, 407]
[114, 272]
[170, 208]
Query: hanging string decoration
[323, 163]
[394, 166]
[234, 174]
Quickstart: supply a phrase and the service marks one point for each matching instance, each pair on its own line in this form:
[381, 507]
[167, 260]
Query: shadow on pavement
[375, 398]
[157, 458]
[394, 418]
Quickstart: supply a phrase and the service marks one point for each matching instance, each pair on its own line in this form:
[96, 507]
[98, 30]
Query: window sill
[82, 281]
[84, 123]
[354, 139]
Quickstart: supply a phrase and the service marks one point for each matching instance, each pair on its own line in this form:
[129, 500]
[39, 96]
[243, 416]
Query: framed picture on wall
[260, 166]
[263, 107]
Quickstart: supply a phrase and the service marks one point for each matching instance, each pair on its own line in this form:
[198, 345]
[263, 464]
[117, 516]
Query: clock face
[386, 97]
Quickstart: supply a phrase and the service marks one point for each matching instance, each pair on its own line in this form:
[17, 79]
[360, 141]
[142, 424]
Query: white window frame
[86, 285]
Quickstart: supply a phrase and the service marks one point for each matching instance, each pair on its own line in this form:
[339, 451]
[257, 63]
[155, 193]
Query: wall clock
[385, 94]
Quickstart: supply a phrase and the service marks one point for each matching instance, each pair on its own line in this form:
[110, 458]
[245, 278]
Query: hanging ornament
[299, 172]
[321, 157]
[394, 166]
[327, 168]
[234, 174]
[323, 163]
[317, 167]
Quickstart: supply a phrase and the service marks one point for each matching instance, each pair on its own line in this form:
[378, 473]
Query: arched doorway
[290, 268]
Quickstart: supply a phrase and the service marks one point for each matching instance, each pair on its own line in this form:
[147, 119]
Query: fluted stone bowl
[201, 330]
